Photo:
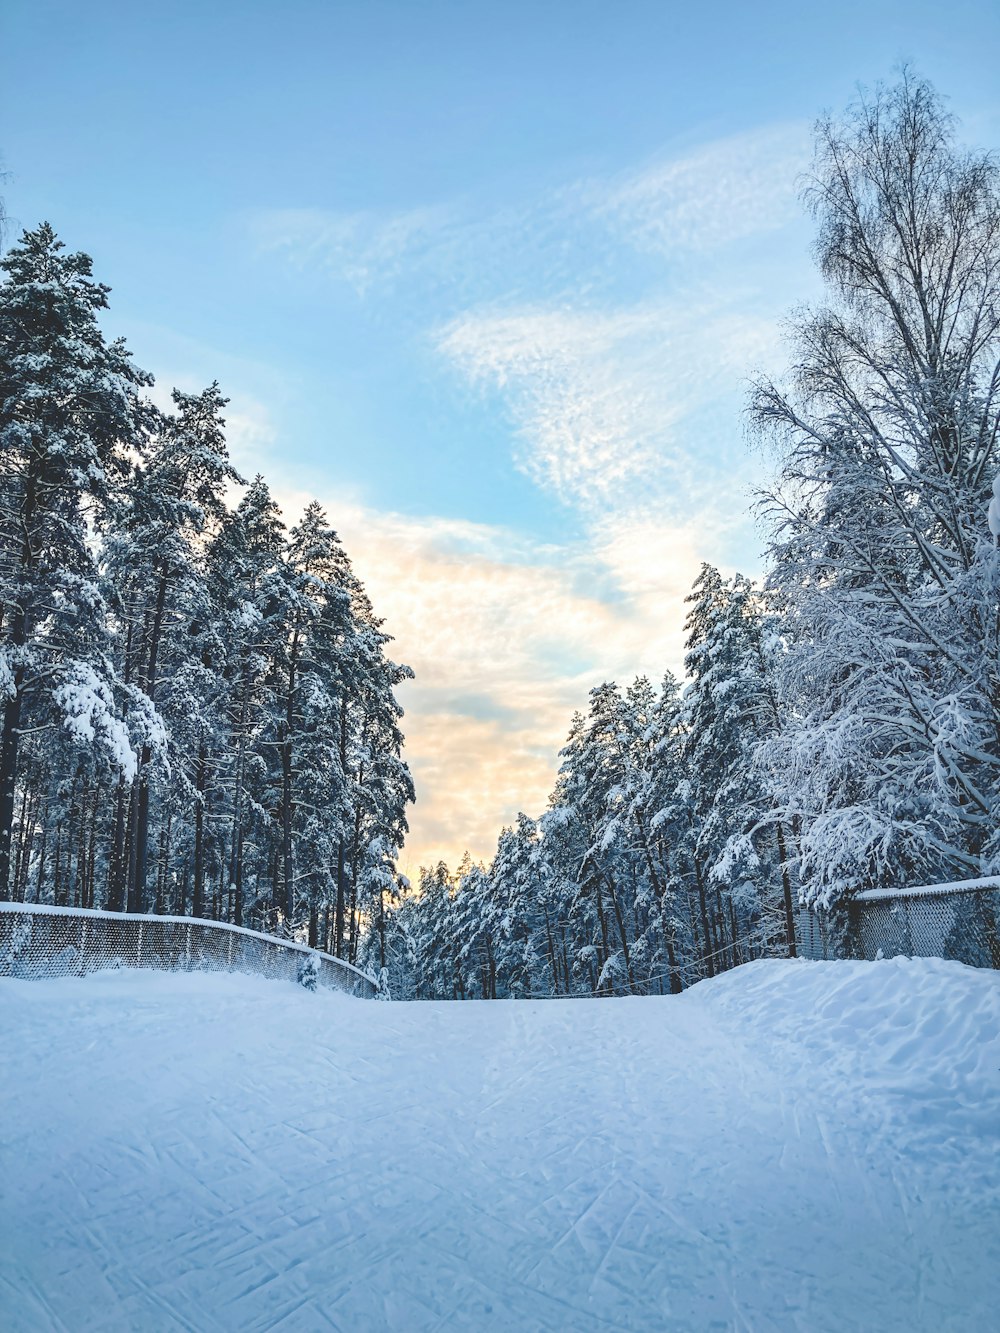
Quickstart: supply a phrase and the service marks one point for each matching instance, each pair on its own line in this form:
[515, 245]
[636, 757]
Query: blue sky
[489, 280]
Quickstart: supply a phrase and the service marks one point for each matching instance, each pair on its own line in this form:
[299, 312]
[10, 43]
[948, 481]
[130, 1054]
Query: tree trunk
[57, 869]
[552, 949]
[707, 958]
[732, 926]
[116, 861]
[10, 741]
[40, 870]
[381, 927]
[238, 880]
[660, 889]
[92, 848]
[134, 905]
[8, 777]
[787, 888]
[80, 876]
[163, 868]
[341, 865]
[185, 871]
[198, 897]
[621, 932]
[338, 923]
[602, 958]
[137, 885]
[17, 879]
[352, 943]
[239, 777]
[286, 790]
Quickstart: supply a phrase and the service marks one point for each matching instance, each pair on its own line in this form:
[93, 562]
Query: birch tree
[886, 433]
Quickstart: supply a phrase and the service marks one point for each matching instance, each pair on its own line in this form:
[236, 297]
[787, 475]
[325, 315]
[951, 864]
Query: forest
[200, 711]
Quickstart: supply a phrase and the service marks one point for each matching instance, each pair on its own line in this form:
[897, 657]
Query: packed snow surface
[794, 1146]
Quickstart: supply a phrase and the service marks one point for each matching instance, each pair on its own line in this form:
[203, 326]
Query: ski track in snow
[802, 1146]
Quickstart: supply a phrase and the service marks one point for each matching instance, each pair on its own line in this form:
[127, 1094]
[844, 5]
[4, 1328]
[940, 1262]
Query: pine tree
[70, 417]
[156, 557]
[247, 583]
[730, 709]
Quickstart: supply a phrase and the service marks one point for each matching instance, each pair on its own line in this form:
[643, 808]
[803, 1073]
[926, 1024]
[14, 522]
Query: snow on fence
[959, 920]
[41, 941]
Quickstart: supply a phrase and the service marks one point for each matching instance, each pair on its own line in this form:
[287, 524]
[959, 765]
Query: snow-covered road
[795, 1146]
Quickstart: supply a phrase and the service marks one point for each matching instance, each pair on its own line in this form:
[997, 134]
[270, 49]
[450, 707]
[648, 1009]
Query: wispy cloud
[692, 203]
[605, 403]
[737, 187]
[361, 249]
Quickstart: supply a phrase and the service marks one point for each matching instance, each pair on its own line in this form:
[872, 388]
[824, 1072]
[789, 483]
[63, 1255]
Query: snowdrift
[792, 1146]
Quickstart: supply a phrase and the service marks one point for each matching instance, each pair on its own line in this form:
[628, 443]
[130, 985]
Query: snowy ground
[795, 1146]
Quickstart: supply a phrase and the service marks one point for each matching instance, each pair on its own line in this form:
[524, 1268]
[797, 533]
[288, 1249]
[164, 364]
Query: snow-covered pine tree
[309, 793]
[156, 559]
[396, 946]
[649, 730]
[438, 973]
[737, 848]
[473, 924]
[379, 784]
[247, 583]
[583, 815]
[71, 420]
[517, 914]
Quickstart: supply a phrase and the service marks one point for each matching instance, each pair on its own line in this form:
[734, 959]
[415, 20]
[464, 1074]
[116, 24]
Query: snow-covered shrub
[309, 971]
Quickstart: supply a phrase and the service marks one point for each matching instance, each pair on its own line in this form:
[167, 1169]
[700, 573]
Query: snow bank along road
[794, 1146]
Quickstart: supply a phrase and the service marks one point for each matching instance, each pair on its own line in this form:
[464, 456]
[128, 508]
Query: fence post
[138, 947]
[83, 946]
[909, 927]
[229, 952]
[187, 948]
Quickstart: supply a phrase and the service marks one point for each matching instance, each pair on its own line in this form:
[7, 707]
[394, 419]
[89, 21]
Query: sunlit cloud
[506, 640]
[505, 651]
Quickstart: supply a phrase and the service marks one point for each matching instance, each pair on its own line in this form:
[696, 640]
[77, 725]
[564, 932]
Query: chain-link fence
[39, 941]
[959, 921]
[814, 937]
